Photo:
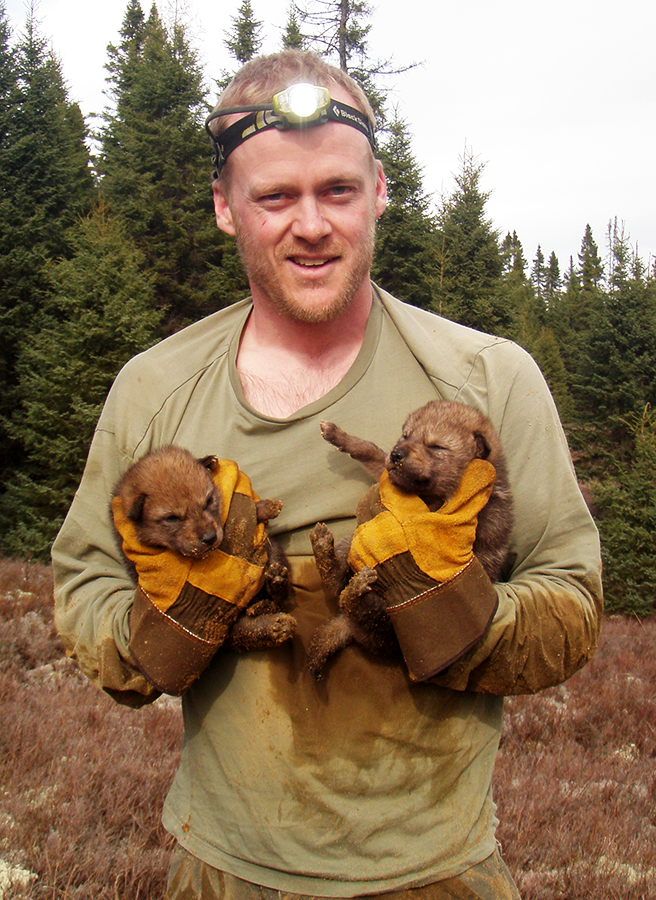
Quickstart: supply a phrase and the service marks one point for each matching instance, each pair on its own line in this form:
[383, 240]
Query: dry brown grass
[576, 776]
[82, 780]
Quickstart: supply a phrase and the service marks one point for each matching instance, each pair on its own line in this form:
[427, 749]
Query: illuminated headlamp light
[299, 106]
[301, 103]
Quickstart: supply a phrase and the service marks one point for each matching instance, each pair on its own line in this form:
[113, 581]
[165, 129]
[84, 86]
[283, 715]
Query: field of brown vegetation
[82, 780]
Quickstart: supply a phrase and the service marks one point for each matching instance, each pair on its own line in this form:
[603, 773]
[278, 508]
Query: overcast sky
[557, 99]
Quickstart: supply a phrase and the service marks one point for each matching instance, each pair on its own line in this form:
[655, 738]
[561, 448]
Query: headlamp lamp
[299, 106]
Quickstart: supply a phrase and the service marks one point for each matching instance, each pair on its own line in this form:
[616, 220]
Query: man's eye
[272, 199]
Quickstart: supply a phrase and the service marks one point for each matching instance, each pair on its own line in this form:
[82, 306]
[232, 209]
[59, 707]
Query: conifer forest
[108, 243]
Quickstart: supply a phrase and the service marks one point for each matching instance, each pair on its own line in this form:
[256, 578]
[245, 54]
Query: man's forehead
[330, 153]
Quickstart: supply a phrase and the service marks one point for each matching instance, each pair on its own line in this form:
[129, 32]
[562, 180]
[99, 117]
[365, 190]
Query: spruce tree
[98, 314]
[512, 256]
[538, 274]
[590, 275]
[245, 38]
[293, 38]
[405, 241]
[469, 257]
[551, 279]
[616, 377]
[528, 325]
[8, 90]
[45, 184]
[626, 516]
[155, 169]
[516, 289]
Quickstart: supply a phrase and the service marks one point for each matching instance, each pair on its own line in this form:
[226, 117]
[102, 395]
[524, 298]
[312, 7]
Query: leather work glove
[183, 608]
[438, 597]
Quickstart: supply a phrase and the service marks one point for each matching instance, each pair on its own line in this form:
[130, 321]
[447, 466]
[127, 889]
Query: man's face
[303, 207]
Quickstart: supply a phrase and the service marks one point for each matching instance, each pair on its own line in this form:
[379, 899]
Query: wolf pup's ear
[209, 462]
[133, 503]
[482, 446]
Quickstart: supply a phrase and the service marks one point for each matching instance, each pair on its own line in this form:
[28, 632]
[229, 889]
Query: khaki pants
[191, 879]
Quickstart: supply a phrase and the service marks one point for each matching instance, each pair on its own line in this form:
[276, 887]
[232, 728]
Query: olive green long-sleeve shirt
[368, 782]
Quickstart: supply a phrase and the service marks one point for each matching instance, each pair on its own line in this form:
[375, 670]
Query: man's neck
[284, 364]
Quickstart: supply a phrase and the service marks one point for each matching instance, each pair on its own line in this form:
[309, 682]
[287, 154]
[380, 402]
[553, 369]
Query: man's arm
[93, 594]
[547, 623]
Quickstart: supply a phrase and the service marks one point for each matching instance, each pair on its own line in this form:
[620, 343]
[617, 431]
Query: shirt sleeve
[92, 591]
[547, 622]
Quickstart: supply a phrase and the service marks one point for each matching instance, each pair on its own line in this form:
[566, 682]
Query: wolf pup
[437, 443]
[172, 500]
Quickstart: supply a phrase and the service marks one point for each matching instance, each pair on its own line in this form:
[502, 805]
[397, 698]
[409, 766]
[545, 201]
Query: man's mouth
[311, 263]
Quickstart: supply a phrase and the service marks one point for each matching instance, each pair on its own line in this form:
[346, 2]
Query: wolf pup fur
[437, 443]
[170, 497]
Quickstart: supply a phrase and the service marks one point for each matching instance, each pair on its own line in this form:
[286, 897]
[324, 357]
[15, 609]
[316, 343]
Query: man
[377, 780]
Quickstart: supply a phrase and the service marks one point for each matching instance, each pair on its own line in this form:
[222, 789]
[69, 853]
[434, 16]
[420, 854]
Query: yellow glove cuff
[440, 542]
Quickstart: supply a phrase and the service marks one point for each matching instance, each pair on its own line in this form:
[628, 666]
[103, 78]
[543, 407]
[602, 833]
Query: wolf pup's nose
[209, 538]
[397, 455]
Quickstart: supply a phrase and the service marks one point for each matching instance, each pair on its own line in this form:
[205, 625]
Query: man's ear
[222, 209]
[381, 189]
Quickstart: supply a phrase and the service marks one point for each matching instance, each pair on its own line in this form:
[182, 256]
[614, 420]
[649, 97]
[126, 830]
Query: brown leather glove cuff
[166, 651]
[436, 628]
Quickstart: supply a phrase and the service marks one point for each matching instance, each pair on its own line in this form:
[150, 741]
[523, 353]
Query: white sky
[558, 100]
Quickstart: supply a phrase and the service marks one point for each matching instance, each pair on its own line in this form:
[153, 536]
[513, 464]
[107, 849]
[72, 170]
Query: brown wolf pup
[170, 497]
[437, 443]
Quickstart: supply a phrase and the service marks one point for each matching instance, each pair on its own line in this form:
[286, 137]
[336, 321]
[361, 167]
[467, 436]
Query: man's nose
[309, 222]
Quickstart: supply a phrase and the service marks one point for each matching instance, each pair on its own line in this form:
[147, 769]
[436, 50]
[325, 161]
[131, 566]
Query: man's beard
[262, 274]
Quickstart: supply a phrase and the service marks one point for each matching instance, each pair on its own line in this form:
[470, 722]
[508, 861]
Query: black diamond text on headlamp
[299, 106]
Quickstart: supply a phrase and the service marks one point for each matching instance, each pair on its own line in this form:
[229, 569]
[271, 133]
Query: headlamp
[301, 103]
[299, 106]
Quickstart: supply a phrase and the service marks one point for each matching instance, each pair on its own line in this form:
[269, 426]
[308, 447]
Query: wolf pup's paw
[261, 632]
[267, 509]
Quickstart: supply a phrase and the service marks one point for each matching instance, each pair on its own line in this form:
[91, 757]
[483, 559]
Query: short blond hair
[262, 77]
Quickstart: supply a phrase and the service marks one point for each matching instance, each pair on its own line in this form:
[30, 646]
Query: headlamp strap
[261, 120]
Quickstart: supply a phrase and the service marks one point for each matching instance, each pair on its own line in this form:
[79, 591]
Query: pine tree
[155, 169]
[470, 261]
[98, 314]
[405, 242]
